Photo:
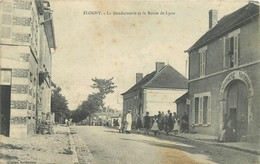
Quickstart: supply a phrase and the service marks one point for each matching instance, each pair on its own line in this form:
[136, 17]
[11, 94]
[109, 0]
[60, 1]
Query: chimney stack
[159, 66]
[139, 77]
[213, 18]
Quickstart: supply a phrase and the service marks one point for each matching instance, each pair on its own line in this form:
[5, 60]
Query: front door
[237, 102]
[5, 98]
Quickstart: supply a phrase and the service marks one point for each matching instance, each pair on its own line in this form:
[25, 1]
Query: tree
[95, 101]
[59, 105]
[104, 86]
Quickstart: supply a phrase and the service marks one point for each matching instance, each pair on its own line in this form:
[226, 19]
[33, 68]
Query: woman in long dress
[176, 126]
[120, 123]
[155, 128]
[128, 122]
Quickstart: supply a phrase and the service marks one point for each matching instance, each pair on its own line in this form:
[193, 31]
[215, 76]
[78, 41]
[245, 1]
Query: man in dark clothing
[147, 123]
[185, 123]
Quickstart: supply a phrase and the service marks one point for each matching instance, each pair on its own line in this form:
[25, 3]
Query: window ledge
[203, 125]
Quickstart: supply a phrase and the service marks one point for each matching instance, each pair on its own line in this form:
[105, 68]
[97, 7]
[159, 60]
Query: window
[203, 54]
[231, 49]
[5, 77]
[202, 109]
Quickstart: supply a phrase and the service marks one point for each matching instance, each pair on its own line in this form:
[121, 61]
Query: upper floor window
[231, 49]
[203, 54]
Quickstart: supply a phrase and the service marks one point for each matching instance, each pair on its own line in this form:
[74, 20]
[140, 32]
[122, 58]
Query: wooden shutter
[209, 110]
[227, 59]
[193, 109]
[200, 110]
[236, 50]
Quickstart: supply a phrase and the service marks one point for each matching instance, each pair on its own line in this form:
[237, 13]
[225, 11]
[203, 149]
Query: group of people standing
[168, 122]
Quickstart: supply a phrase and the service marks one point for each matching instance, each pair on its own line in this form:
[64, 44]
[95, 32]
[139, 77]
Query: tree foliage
[59, 105]
[95, 101]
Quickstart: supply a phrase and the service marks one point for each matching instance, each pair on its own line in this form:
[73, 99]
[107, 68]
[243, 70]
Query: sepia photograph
[129, 82]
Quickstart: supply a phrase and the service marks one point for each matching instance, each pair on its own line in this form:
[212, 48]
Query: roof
[167, 77]
[182, 98]
[228, 23]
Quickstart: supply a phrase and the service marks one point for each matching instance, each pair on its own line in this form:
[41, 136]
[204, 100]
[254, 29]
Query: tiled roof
[142, 82]
[182, 98]
[168, 77]
[228, 23]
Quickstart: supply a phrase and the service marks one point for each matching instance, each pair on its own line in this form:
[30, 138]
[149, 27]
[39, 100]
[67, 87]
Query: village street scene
[129, 82]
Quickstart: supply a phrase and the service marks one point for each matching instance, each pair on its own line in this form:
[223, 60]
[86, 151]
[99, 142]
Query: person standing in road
[166, 122]
[155, 128]
[139, 124]
[147, 123]
[170, 122]
[185, 123]
[120, 123]
[128, 122]
[176, 125]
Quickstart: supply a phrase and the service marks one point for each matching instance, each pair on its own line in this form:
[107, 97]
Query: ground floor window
[202, 109]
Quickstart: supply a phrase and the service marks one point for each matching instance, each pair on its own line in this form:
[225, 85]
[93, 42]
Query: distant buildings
[27, 44]
[224, 74]
[155, 92]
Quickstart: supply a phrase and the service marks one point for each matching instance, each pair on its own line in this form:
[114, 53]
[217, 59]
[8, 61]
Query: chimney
[213, 18]
[139, 77]
[159, 66]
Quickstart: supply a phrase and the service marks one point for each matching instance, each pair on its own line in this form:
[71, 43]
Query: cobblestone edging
[72, 148]
[83, 152]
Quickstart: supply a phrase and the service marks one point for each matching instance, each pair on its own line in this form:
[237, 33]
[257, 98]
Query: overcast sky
[105, 46]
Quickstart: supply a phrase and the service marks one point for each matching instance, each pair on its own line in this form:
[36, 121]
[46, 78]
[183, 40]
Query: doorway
[237, 108]
[5, 98]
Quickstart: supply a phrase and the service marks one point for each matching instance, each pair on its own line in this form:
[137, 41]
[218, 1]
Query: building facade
[155, 92]
[224, 75]
[27, 44]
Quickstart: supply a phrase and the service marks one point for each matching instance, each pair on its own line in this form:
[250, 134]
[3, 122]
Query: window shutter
[236, 50]
[193, 109]
[200, 110]
[209, 110]
[227, 52]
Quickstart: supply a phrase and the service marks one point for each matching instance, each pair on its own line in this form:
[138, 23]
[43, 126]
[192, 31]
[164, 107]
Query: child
[155, 128]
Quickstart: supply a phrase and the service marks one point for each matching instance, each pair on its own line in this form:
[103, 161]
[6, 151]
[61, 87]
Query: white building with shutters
[26, 46]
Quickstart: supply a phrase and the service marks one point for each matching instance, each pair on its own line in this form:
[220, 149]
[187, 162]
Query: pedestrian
[166, 122]
[155, 128]
[231, 131]
[224, 130]
[120, 123]
[176, 125]
[160, 121]
[185, 123]
[147, 123]
[66, 122]
[128, 122]
[139, 124]
[170, 122]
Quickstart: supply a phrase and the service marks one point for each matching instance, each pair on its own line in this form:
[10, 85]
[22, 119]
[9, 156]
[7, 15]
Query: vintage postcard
[127, 81]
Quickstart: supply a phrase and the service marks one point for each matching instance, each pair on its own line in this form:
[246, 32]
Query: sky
[120, 46]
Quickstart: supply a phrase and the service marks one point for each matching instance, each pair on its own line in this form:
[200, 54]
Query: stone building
[155, 92]
[27, 44]
[224, 74]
